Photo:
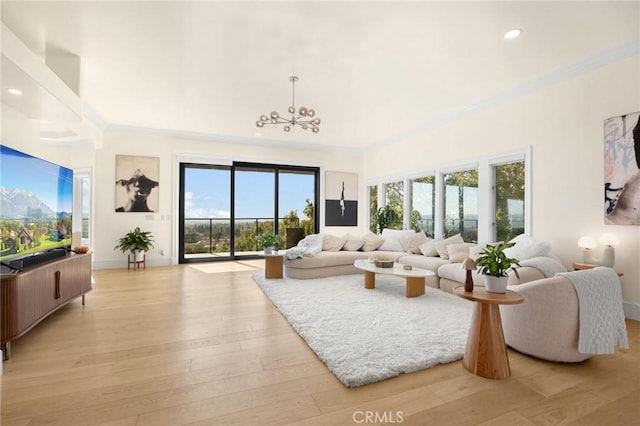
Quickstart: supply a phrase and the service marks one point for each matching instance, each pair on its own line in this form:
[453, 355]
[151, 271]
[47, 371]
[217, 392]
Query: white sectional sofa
[445, 262]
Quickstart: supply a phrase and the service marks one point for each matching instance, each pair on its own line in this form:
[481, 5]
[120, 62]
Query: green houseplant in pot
[494, 264]
[137, 242]
[268, 242]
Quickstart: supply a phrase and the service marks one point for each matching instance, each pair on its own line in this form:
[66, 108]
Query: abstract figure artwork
[341, 199]
[622, 170]
[136, 177]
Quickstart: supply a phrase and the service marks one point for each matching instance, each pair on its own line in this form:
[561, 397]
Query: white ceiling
[374, 72]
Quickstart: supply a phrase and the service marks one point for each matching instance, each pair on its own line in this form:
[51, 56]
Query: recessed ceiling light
[511, 34]
[16, 92]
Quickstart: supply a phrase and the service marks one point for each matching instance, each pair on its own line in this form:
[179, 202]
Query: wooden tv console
[29, 296]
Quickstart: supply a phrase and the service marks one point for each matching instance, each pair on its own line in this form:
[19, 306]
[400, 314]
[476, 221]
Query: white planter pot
[139, 255]
[268, 250]
[495, 284]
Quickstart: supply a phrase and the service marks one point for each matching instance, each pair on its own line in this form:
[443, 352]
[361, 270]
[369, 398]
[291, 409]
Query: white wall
[163, 224]
[564, 125]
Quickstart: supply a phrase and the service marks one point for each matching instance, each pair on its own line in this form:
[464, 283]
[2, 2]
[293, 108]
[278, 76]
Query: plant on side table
[494, 264]
[268, 242]
[137, 242]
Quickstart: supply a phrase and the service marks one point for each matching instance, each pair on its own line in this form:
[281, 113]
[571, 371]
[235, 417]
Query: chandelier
[303, 117]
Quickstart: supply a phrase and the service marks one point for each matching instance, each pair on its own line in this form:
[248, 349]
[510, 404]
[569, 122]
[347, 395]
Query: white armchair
[546, 325]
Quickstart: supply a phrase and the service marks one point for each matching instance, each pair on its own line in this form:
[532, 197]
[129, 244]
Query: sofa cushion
[526, 247]
[332, 243]
[392, 239]
[429, 248]
[330, 258]
[371, 242]
[459, 252]
[423, 262]
[352, 243]
[326, 258]
[412, 243]
[441, 246]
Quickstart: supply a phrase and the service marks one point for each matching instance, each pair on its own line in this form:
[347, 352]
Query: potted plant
[137, 242]
[494, 264]
[268, 242]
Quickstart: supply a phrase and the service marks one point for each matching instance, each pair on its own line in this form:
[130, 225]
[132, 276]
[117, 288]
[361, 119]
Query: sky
[27, 173]
[207, 193]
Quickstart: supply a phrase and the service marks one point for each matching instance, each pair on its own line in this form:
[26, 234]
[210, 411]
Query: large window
[509, 200]
[422, 201]
[461, 204]
[486, 201]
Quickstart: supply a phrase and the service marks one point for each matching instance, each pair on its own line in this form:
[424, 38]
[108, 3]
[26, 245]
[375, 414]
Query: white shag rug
[365, 336]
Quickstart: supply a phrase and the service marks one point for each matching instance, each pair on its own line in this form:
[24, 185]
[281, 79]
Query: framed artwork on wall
[136, 178]
[622, 170]
[341, 199]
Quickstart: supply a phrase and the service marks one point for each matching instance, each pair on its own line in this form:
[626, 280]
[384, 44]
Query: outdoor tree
[509, 186]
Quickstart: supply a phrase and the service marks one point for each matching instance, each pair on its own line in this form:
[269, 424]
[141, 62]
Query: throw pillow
[527, 247]
[460, 251]
[441, 247]
[412, 244]
[429, 248]
[352, 243]
[475, 251]
[392, 239]
[371, 242]
[332, 243]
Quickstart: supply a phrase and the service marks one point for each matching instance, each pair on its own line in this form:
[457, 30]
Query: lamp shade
[609, 240]
[468, 264]
[587, 242]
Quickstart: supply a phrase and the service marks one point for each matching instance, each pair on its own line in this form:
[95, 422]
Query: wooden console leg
[369, 280]
[415, 286]
[6, 351]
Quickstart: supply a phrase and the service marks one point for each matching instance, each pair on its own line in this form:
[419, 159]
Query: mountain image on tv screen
[36, 199]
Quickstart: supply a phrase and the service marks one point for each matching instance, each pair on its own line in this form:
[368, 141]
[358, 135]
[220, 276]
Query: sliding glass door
[224, 208]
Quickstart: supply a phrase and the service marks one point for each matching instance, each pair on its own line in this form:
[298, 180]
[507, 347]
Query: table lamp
[609, 254]
[469, 265]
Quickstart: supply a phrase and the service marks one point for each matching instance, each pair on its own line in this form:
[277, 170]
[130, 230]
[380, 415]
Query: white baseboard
[122, 263]
[631, 310]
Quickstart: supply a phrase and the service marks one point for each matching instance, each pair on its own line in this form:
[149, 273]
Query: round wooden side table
[486, 352]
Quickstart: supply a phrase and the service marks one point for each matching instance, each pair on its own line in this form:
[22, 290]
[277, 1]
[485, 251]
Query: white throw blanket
[309, 247]
[602, 326]
[547, 265]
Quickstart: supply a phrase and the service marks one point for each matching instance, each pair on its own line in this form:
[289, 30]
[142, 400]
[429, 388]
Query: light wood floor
[201, 345]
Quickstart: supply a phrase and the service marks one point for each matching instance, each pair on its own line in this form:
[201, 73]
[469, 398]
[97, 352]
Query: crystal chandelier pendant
[302, 117]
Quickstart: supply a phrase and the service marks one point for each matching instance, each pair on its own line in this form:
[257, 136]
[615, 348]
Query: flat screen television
[36, 201]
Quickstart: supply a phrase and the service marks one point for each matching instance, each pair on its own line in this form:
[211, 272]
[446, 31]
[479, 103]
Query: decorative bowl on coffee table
[384, 263]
